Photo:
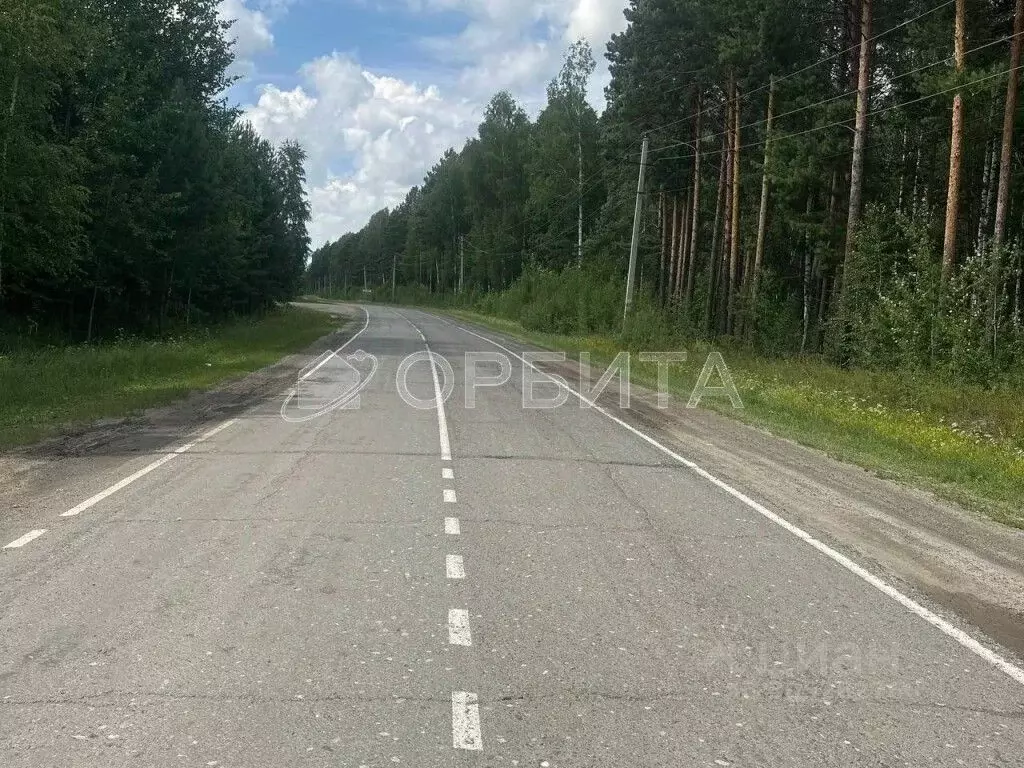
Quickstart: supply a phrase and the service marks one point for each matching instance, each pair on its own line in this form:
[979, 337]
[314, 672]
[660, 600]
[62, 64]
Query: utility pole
[364, 278]
[394, 270]
[635, 244]
[462, 261]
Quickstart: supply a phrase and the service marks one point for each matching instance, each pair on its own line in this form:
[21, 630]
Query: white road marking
[442, 420]
[449, 496]
[447, 473]
[92, 501]
[466, 721]
[968, 642]
[452, 527]
[458, 627]
[32, 536]
[335, 352]
[454, 567]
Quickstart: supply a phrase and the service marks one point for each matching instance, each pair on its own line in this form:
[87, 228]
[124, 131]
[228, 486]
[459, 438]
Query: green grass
[963, 443]
[45, 390]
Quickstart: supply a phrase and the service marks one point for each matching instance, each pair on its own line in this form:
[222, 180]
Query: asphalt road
[334, 590]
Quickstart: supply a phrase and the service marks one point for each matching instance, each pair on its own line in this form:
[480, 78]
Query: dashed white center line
[454, 567]
[449, 496]
[92, 501]
[30, 536]
[466, 721]
[447, 473]
[452, 527]
[458, 627]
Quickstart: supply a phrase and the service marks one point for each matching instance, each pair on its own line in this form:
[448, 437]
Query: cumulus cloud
[250, 33]
[369, 137]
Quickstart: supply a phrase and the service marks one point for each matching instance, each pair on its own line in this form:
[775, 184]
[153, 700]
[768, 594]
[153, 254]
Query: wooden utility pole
[762, 220]
[1009, 117]
[462, 262]
[394, 273]
[956, 144]
[860, 135]
[635, 244]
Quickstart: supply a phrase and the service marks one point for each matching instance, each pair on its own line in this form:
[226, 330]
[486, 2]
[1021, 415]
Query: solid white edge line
[968, 642]
[466, 721]
[449, 496]
[452, 527]
[458, 627]
[454, 567]
[93, 500]
[31, 536]
[335, 352]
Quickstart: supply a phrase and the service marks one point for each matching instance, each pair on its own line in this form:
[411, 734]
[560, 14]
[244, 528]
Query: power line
[816, 64]
[831, 99]
[843, 123]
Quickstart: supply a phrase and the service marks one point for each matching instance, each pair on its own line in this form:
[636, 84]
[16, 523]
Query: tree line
[836, 177]
[132, 199]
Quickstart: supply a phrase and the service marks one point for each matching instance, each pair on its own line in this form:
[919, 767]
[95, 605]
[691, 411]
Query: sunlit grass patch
[42, 390]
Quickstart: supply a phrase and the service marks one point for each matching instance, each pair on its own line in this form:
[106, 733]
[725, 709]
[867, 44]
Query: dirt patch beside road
[85, 450]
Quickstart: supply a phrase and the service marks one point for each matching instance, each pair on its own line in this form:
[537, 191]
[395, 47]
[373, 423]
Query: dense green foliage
[695, 77]
[130, 196]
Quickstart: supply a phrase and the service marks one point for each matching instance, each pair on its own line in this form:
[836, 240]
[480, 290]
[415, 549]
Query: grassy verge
[964, 443]
[42, 391]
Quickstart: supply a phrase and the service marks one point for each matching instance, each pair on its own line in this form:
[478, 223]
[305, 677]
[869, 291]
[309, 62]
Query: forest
[132, 199]
[837, 178]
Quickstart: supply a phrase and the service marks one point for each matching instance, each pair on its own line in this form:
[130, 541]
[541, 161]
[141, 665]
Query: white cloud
[384, 131]
[595, 21]
[371, 137]
[250, 32]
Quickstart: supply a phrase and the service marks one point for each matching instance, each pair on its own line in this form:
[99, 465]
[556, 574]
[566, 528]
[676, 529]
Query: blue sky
[376, 90]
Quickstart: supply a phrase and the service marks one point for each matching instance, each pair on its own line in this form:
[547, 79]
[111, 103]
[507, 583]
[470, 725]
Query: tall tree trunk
[684, 242]
[695, 217]
[810, 264]
[672, 249]
[914, 198]
[726, 288]
[1009, 117]
[984, 214]
[734, 255]
[860, 132]
[579, 220]
[956, 144]
[762, 220]
[663, 216]
[713, 284]
[11, 110]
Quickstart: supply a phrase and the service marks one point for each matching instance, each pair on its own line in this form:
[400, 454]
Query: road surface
[384, 585]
